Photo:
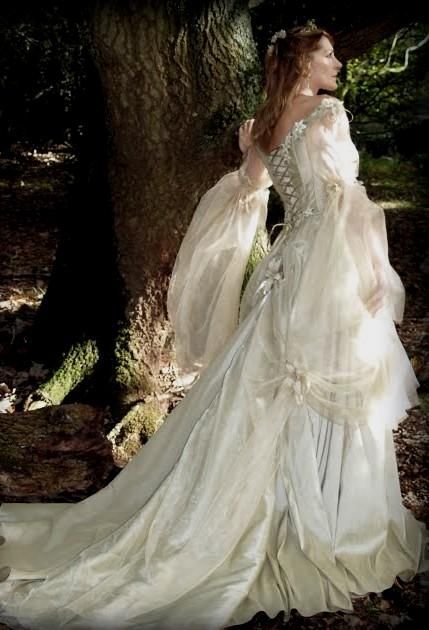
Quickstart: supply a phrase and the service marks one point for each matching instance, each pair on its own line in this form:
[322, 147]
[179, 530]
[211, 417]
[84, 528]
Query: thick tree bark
[54, 453]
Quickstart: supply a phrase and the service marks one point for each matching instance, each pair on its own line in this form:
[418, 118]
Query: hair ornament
[310, 26]
[279, 35]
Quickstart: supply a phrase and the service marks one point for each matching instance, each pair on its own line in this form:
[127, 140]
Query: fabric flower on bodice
[274, 273]
[298, 128]
[298, 381]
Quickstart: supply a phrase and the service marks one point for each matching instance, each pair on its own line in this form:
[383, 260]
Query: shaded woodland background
[57, 136]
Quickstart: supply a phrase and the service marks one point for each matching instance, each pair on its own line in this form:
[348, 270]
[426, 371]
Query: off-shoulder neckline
[327, 100]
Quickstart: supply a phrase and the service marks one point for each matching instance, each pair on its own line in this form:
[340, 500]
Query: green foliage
[388, 106]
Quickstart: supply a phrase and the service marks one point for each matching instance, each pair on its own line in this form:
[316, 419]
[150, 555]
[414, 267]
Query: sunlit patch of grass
[397, 204]
[394, 182]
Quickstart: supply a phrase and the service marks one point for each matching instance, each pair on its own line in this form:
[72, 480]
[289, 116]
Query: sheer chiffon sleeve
[348, 286]
[335, 164]
[204, 292]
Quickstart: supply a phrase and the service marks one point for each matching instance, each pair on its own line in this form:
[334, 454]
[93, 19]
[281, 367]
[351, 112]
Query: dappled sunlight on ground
[33, 197]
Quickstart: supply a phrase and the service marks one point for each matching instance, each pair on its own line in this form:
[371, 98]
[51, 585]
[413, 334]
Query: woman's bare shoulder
[301, 108]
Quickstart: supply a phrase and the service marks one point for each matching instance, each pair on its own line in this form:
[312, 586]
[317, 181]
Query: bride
[273, 485]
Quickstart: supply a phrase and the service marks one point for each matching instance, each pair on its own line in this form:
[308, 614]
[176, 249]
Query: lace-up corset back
[287, 180]
[292, 169]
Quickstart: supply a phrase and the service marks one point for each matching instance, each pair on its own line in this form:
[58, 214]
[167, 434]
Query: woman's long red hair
[286, 65]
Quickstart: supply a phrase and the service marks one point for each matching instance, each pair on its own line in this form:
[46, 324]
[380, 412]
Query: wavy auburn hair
[286, 64]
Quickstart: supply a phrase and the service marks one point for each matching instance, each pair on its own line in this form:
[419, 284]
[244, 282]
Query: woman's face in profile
[324, 66]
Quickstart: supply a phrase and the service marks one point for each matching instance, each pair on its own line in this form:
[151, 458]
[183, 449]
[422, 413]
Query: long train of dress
[273, 485]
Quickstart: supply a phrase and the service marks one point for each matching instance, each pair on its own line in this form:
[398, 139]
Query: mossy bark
[79, 364]
[135, 428]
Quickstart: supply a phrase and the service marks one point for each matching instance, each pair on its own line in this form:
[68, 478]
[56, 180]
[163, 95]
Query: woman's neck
[306, 92]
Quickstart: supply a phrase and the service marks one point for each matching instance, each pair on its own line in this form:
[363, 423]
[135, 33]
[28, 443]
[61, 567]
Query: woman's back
[301, 107]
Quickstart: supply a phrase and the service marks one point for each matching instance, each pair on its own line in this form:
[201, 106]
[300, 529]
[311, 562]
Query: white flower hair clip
[279, 35]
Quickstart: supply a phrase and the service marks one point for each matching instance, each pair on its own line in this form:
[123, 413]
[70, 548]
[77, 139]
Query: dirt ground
[33, 197]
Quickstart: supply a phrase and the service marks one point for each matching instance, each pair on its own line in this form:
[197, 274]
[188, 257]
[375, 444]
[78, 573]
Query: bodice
[315, 157]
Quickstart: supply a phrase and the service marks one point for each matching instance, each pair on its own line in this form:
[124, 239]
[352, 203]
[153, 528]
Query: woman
[273, 485]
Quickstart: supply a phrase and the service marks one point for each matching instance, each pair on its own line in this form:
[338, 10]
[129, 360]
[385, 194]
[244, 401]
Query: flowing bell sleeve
[342, 324]
[204, 292]
[359, 221]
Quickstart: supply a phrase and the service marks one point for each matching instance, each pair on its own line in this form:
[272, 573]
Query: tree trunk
[176, 85]
[56, 453]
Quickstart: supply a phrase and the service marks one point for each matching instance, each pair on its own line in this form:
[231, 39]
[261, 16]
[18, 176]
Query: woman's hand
[377, 299]
[245, 135]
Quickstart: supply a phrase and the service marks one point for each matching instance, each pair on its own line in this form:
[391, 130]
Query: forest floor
[34, 193]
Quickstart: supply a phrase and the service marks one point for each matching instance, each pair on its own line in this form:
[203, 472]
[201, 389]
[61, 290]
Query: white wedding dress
[273, 485]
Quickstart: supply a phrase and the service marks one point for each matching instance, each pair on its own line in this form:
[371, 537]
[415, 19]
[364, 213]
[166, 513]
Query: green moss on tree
[130, 374]
[135, 428]
[77, 365]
